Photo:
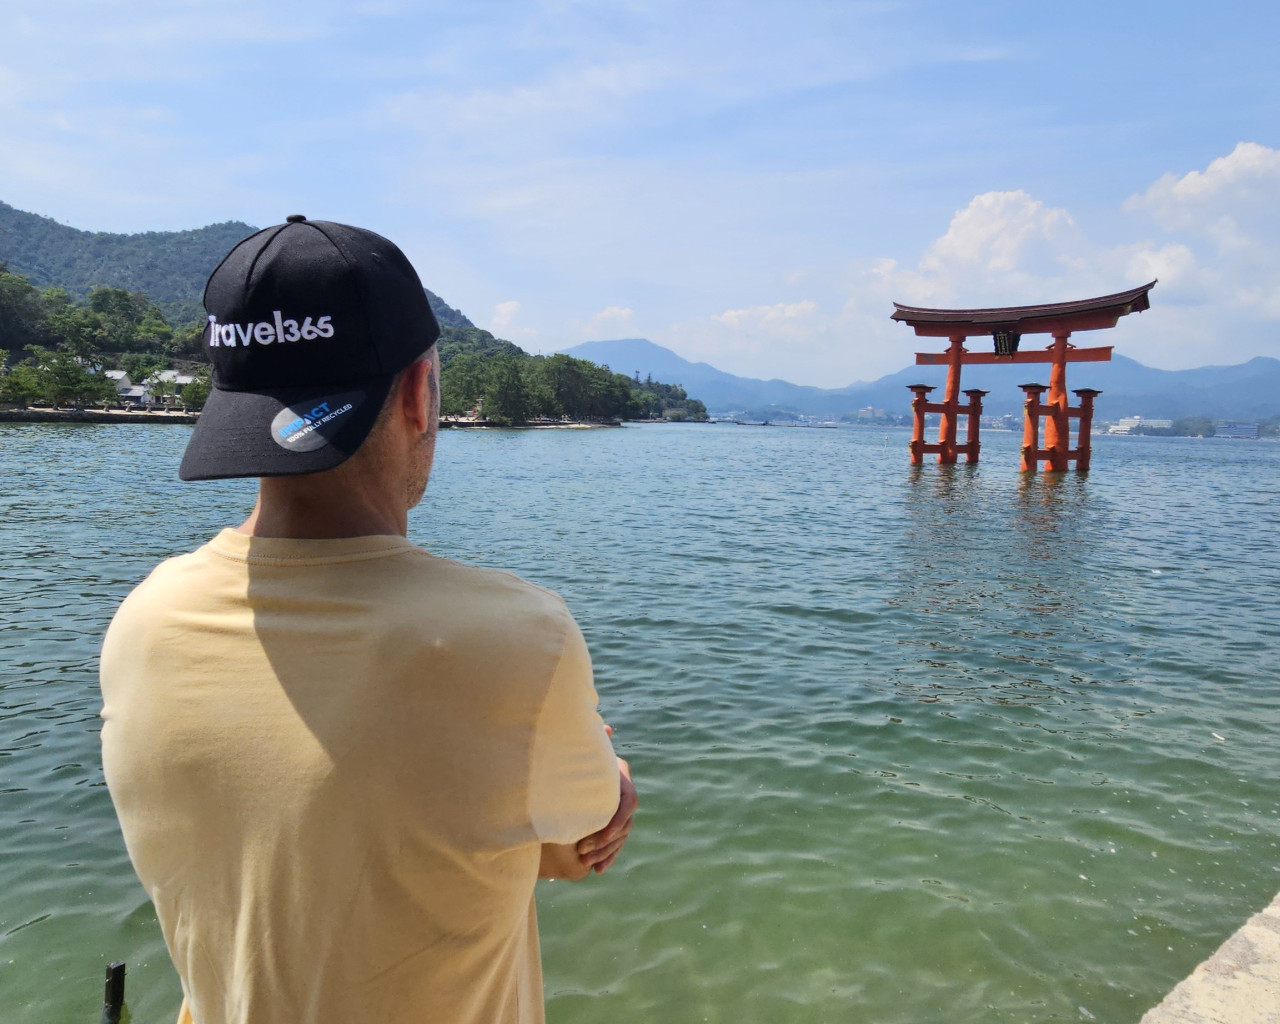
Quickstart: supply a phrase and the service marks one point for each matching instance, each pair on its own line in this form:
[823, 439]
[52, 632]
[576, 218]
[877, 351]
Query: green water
[912, 745]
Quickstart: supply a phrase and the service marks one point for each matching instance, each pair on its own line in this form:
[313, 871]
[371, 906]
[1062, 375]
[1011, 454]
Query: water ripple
[945, 743]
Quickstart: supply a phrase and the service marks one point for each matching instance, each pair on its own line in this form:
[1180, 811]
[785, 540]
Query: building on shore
[1131, 423]
[161, 388]
[1230, 428]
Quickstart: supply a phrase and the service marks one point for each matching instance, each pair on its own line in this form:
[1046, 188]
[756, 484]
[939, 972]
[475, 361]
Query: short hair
[389, 402]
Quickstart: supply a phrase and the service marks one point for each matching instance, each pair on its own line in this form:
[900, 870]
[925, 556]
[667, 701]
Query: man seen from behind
[340, 762]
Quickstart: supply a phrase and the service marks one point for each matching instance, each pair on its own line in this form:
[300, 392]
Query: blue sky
[747, 183]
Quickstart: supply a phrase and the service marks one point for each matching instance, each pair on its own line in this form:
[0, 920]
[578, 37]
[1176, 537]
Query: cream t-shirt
[334, 762]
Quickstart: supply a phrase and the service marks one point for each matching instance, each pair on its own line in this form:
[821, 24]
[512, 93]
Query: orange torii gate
[1006, 325]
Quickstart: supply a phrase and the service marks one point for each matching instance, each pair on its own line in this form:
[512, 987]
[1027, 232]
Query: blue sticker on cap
[311, 425]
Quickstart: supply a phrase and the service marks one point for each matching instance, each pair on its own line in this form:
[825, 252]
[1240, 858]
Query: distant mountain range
[171, 267]
[1247, 391]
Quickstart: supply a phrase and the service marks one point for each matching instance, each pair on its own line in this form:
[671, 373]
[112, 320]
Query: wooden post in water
[972, 446]
[951, 402]
[1031, 426]
[918, 403]
[113, 996]
[1084, 442]
[1057, 428]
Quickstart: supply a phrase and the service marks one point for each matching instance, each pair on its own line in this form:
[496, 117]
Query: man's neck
[312, 509]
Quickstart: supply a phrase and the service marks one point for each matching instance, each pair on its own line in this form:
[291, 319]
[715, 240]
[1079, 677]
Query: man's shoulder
[474, 587]
[169, 574]
[408, 584]
[149, 609]
[490, 579]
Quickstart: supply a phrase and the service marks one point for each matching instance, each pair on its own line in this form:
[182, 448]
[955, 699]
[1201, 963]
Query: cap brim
[245, 433]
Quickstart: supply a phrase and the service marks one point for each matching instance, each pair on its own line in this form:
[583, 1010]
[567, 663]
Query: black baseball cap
[308, 324]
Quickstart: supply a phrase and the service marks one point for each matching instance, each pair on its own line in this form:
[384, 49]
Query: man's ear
[415, 398]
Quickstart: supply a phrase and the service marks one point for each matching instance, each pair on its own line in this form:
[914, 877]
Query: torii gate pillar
[1057, 428]
[947, 425]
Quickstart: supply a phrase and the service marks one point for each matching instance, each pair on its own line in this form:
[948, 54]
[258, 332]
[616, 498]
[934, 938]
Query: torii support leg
[972, 444]
[918, 403]
[1032, 410]
[1084, 444]
[951, 400]
[1057, 428]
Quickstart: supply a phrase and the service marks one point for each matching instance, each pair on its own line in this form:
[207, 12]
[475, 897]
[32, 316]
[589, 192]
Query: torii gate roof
[1052, 317]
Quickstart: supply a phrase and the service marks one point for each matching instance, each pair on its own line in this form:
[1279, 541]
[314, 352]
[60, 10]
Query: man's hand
[600, 849]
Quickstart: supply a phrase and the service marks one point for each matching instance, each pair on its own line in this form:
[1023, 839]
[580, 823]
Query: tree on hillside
[195, 394]
[162, 389]
[141, 365]
[1194, 426]
[446, 315]
[585, 391]
[22, 312]
[462, 383]
[131, 322]
[170, 266]
[112, 323]
[188, 342]
[79, 331]
[507, 396]
[567, 381]
[57, 377]
[21, 384]
[472, 341]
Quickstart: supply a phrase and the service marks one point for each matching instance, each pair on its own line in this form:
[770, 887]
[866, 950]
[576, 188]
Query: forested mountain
[77, 304]
[170, 266]
[446, 315]
[473, 341]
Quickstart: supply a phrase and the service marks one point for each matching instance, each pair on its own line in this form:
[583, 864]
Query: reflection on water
[937, 743]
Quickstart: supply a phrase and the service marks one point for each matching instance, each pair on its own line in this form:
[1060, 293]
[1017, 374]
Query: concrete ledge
[92, 416]
[1239, 984]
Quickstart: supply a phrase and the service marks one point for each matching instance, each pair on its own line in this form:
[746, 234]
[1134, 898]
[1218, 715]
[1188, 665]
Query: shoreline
[105, 416]
[452, 424]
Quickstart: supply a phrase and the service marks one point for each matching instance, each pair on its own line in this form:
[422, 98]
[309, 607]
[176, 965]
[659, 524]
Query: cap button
[295, 218]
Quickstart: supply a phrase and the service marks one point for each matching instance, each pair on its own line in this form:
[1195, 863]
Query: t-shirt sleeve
[573, 783]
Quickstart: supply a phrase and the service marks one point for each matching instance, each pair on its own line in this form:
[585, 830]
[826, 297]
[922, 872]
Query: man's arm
[598, 851]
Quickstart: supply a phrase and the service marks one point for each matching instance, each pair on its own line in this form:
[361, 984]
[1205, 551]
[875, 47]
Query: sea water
[947, 743]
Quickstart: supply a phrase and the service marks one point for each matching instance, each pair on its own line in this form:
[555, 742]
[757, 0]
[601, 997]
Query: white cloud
[1225, 201]
[612, 320]
[999, 232]
[1228, 217]
[779, 318]
[503, 321]
[1213, 243]
[1208, 236]
[503, 314]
